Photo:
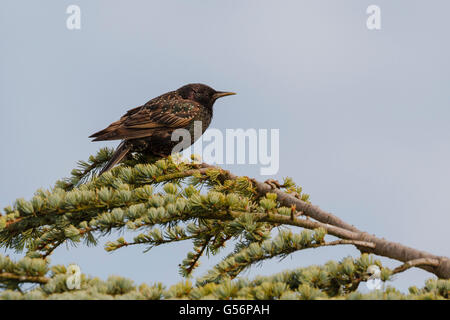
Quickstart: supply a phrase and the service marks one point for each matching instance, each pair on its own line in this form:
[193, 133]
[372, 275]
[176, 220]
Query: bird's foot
[274, 184]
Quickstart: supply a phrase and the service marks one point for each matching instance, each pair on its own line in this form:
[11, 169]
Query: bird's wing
[141, 122]
[169, 116]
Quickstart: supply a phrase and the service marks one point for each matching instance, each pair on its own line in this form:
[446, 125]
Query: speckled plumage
[148, 128]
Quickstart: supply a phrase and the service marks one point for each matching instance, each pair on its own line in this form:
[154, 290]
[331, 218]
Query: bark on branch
[416, 263]
[23, 278]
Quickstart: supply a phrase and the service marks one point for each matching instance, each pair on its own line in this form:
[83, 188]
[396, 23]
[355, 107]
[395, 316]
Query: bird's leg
[151, 157]
[161, 155]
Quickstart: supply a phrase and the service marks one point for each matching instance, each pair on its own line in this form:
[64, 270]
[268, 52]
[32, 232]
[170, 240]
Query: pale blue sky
[363, 115]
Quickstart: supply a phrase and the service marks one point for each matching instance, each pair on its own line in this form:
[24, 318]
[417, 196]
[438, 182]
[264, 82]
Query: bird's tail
[120, 153]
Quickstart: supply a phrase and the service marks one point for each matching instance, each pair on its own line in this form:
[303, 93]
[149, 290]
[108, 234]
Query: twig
[198, 255]
[416, 263]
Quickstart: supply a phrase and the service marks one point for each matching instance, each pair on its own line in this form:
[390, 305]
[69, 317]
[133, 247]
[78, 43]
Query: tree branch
[22, 278]
[383, 247]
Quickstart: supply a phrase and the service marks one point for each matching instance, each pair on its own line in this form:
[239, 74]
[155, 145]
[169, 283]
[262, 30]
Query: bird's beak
[220, 94]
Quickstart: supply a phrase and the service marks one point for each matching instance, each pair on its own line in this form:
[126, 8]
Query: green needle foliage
[166, 202]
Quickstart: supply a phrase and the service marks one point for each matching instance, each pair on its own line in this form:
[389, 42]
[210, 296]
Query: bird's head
[201, 93]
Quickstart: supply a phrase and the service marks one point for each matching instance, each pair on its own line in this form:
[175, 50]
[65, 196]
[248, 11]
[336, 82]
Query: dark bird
[148, 128]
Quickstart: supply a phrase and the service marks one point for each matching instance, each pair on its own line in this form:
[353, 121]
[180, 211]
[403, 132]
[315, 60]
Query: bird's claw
[274, 184]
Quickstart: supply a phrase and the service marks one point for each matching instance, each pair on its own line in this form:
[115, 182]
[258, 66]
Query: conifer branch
[284, 244]
[383, 247]
[233, 207]
[332, 280]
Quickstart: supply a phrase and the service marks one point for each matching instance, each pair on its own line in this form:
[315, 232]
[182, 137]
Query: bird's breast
[199, 124]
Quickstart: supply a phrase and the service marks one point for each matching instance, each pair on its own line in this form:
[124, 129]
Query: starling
[148, 129]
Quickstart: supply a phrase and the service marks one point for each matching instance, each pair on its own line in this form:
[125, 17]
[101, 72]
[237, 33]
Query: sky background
[363, 115]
